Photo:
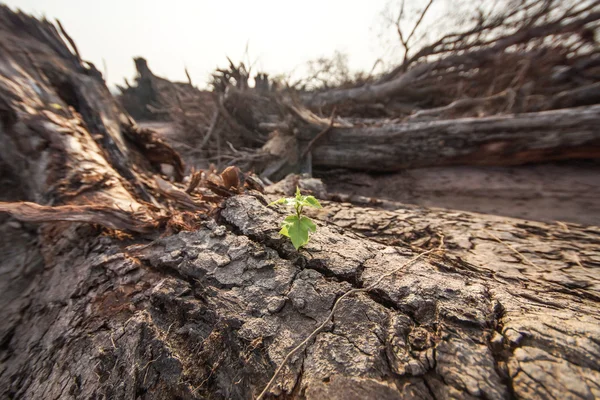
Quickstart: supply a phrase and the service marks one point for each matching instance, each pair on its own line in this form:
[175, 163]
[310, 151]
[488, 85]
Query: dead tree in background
[514, 64]
[522, 48]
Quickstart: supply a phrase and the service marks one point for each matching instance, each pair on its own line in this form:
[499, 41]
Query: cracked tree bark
[211, 313]
[509, 310]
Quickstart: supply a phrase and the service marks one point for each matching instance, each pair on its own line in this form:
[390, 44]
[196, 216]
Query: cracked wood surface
[211, 313]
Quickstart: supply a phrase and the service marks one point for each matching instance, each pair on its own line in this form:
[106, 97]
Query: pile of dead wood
[518, 87]
[529, 56]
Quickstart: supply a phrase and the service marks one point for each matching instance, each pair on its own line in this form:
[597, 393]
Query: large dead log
[506, 308]
[585, 95]
[61, 127]
[509, 309]
[500, 140]
[392, 145]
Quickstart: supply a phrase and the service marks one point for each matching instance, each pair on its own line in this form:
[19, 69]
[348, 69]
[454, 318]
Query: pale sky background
[282, 35]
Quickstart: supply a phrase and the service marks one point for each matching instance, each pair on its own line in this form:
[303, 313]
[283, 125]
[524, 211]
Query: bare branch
[419, 20]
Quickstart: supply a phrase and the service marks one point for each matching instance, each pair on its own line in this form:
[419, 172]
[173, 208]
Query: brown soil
[565, 192]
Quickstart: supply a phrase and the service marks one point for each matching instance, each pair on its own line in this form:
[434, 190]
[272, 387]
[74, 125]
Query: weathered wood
[499, 140]
[463, 105]
[62, 130]
[389, 145]
[101, 215]
[589, 94]
[211, 313]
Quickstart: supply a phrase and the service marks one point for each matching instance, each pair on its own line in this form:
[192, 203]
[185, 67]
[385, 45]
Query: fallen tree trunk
[389, 145]
[585, 95]
[463, 105]
[495, 309]
[212, 313]
[502, 140]
[61, 132]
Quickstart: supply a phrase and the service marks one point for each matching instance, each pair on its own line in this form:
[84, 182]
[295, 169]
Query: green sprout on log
[297, 226]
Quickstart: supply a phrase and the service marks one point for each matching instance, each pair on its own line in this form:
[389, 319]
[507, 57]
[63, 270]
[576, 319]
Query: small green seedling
[297, 226]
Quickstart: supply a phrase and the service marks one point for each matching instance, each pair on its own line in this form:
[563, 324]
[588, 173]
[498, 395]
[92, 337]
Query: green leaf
[278, 201]
[294, 227]
[289, 220]
[312, 202]
[297, 230]
[307, 222]
[299, 200]
[284, 231]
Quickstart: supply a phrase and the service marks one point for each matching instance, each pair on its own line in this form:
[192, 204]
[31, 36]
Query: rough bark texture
[504, 140]
[211, 313]
[60, 128]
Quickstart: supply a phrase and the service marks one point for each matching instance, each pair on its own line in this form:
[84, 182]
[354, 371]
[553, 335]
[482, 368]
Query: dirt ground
[566, 192]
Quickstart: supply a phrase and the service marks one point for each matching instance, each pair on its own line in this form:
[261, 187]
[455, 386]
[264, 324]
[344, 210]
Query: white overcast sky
[282, 34]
